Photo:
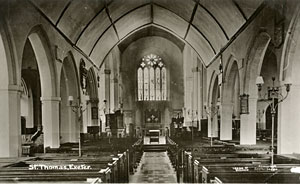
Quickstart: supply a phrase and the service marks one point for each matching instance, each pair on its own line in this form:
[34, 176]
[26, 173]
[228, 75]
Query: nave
[154, 167]
[90, 88]
[122, 160]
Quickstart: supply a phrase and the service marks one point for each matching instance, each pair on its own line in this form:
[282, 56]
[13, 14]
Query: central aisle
[155, 167]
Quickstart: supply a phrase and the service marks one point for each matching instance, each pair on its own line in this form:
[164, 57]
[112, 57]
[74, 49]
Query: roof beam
[190, 23]
[63, 12]
[215, 19]
[152, 12]
[240, 9]
[150, 24]
[110, 19]
[211, 46]
[87, 25]
[244, 26]
[98, 39]
[115, 29]
[192, 18]
[63, 35]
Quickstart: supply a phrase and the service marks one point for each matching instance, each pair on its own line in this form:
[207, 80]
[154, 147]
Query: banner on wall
[94, 112]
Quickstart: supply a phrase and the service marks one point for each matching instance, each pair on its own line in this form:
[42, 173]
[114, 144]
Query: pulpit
[115, 122]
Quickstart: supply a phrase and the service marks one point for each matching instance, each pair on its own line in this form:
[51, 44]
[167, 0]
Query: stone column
[212, 127]
[102, 96]
[107, 89]
[10, 131]
[226, 121]
[74, 127]
[86, 119]
[50, 120]
[200, 93]
[248, 124]
[67, 127]
[289, 123]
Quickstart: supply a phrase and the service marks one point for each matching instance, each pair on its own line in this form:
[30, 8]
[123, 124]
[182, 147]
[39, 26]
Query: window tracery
[152, 79]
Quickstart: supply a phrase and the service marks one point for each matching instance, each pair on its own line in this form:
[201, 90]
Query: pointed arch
[289, 117]
[212, 106]
[231, 72]
[9, 97]
[40, 44]
[9, 67]
[253, 69]
[213, 80]
[230, 100]
[92, 84]
[69, 86]
[254, 63]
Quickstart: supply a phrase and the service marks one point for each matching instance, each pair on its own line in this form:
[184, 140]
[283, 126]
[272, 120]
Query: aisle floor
[155, 167]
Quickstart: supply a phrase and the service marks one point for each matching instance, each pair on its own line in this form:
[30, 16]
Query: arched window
[152, 79]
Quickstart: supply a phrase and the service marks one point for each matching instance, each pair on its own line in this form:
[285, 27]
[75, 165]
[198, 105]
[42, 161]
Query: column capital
[107, 71]
[227, 104]
[16, 88]
[50, 98]
[195, 69]
[114, 80]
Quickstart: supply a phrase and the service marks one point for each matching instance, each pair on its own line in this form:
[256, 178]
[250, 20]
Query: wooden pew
[106, 164]
[173, 152]
[193, 162]
[107, 167]
[251, 174]
[135, 155]
[24, 174]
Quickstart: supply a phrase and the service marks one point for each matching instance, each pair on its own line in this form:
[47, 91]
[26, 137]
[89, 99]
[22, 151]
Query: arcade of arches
[69, 67]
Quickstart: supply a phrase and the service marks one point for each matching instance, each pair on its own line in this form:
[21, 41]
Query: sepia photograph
[149, 91]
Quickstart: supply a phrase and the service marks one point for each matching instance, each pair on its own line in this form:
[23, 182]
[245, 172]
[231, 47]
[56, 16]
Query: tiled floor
[155, 167]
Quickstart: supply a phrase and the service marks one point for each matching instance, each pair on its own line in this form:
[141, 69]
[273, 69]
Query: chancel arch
[154, 85]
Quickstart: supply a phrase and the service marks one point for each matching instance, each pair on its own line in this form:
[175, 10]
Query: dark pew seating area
[102, 160]
[218, 165]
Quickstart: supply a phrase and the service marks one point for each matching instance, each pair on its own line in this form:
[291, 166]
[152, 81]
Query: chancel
[158, 91]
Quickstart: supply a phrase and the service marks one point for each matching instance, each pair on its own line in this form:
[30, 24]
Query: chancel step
[155, 147]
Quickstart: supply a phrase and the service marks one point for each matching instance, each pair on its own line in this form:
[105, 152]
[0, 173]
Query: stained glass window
[157, 85]
[163, 84]
[152, 84]
[146, 83]
[152, 79]
[140, 84]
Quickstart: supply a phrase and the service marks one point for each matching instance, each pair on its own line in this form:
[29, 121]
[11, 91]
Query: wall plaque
[244, 104]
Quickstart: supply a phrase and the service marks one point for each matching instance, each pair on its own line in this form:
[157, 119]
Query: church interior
[149, 91]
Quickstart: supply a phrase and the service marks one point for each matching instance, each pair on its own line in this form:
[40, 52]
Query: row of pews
[99, 163]
[218, 165]
[135, 155]
[172, 151]
[105, 168]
